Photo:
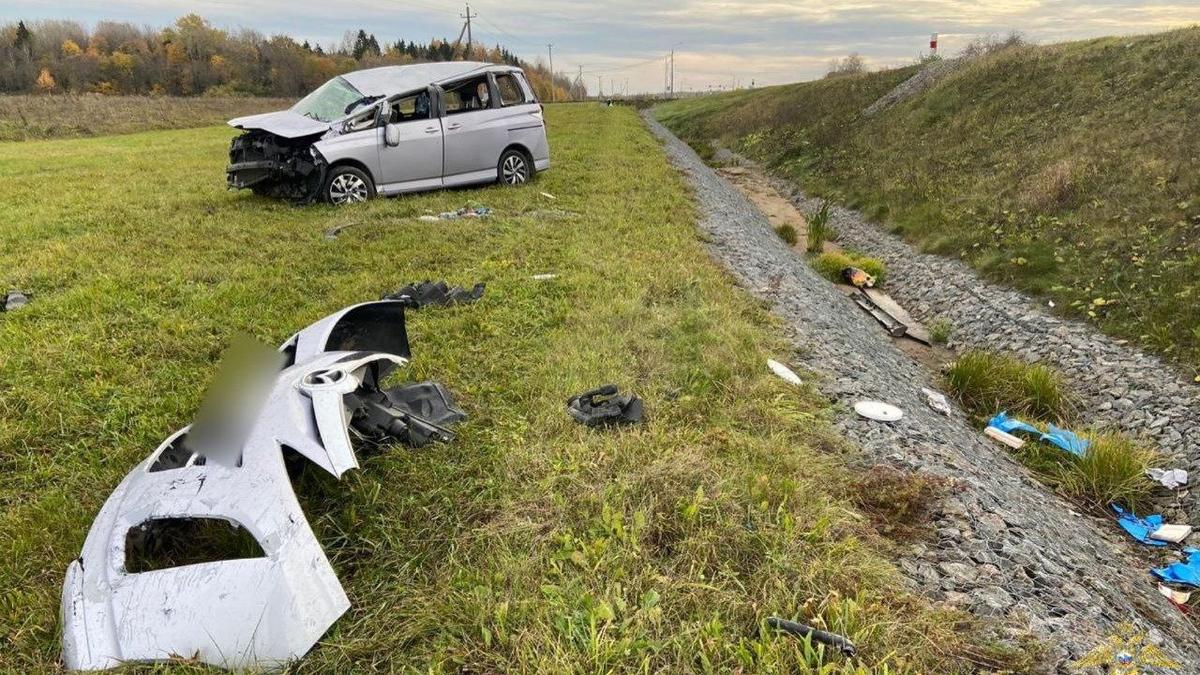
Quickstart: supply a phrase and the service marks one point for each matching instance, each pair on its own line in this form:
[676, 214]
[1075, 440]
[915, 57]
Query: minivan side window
[467, 96]
[413, 107]
[510, 90]
[363, 121]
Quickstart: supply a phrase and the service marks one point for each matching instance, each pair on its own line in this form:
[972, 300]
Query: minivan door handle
[454, 126]
[431, 130]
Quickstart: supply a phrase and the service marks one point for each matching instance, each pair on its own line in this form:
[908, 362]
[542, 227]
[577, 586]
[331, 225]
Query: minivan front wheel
[346, 185]
[514, 168]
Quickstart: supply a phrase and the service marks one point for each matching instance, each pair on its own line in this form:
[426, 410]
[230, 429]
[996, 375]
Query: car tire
[514, 168]
[347, 185]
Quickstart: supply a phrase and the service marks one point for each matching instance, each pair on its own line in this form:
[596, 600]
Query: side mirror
[391, 135]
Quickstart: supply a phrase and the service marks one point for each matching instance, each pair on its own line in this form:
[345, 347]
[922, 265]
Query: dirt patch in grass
[899, 503]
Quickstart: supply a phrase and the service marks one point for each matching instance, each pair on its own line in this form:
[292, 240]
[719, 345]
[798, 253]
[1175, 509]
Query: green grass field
[1065, 170]
[530, 544]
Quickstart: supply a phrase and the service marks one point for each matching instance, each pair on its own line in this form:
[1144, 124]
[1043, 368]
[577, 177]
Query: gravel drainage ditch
[1005, 547]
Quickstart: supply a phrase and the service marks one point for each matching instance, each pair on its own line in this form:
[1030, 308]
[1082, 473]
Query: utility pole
[579, 79]
[468, 16]
[550, 51]
[600, 86]
[672, 72]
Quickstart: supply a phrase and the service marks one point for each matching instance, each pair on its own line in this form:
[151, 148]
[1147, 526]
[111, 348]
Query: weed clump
[831, 264]
[940, 330]
[897, 502]
[787, 233]
[986, 383]
[1112, 469]
[819, 229]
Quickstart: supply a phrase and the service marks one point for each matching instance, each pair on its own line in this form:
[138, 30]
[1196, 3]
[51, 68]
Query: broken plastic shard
[1171, 479]
[936, 400]
[256, 610]
[784, 373]
[878, 411]
[430, 293]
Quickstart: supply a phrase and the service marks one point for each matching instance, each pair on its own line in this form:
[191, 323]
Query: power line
[550, 51]
[468, 16]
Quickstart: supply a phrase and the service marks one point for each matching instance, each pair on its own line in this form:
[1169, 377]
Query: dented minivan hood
[283, 123]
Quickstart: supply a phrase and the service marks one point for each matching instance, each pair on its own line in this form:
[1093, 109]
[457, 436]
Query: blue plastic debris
[1186, 573]
[1140, 528]
[1062, 438]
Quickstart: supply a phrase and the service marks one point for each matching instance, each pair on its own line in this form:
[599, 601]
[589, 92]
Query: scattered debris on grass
[547, 195]
[1172, 533]
[1004, 437]
[430, 293]
[891, 324]
[839, 642]
[15, 300]
[1140, 528]
[544, 277]
[1067, 440]
[878, 411]
[831, 263]
[468, 211]
[1177, 597]
[857, 278]
[784, 373]
[1183, 573]
[603, 406]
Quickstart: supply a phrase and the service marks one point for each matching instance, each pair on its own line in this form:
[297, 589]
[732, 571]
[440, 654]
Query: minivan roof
[388, 80]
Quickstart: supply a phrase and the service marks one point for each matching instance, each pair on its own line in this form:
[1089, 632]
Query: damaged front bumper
[274, 166]
[264, 609]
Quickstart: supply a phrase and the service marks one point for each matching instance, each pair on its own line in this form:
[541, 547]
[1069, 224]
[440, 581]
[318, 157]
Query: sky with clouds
[623, 42]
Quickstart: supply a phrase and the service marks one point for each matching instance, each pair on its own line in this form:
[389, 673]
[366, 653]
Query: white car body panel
[234, 613]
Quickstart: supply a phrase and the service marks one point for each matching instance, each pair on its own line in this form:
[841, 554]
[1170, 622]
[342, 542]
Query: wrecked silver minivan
[392, 130]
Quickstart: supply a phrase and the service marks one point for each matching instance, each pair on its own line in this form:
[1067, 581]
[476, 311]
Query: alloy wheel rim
[347, 188]
[514, 170]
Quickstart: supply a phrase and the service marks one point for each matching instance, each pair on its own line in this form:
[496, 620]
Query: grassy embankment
[531, 544]
[25, 117]
[1070, 171]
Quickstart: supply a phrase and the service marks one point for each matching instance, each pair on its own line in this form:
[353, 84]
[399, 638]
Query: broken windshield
[329, 101]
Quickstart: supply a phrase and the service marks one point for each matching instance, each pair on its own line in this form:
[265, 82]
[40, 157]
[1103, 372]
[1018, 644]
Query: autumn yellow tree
[45, 81]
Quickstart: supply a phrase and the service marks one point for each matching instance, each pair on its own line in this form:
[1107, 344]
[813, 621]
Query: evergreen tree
[24, 38]
[373, 46]
[360, 45]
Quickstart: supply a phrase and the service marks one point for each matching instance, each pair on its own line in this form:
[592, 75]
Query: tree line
[191, 57]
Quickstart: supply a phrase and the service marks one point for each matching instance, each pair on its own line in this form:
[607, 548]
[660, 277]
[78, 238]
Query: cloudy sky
[717, 42]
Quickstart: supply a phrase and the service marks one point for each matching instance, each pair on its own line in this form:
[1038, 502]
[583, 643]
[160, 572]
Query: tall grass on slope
[1066, 170]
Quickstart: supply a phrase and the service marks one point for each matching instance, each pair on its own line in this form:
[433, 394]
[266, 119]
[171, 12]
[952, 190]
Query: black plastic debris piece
[414, 414]
[431, 293]
[14, 300]
[604, 406]
[838, 642]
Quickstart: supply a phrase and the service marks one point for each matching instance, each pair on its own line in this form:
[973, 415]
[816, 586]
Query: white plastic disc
[878, 411]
